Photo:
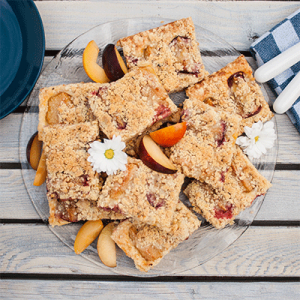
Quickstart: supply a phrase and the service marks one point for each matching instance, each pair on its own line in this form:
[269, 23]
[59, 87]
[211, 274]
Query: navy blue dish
[22, 52]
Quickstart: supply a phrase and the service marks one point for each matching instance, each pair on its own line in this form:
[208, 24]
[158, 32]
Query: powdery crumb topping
[233, 89]
[65, 212]
[73, 109]
[130, 105]
[242, 183]
[207, 147]
[147, 244]
[173, 51]
[142, 194]
[69, 175]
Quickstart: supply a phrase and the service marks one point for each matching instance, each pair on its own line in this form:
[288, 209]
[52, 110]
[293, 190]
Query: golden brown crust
[243, 97]
[147, 244]
[173, 51]
[241, 184]
[130, 105]
[142, 194]
[206, 149]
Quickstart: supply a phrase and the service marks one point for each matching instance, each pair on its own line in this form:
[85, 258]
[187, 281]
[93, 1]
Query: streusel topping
[173, 51]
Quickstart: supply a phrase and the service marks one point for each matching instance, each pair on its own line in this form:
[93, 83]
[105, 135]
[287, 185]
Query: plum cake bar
[233, 89]
[130, 105]
[207, 147]
[142, 194]
[147, 244]
[69, 175]
[64, 104]
[242, 183]
[173, 51]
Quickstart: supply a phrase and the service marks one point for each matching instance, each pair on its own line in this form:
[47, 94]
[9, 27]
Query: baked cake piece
[68, 211]
[128, 106]
[147, 244]
[173, 51]
[233, 89]
[242, 183]
[206, 149]
[69, 175]
[142, 194]
[64, 104]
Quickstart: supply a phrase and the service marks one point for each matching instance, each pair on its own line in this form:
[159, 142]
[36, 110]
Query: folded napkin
[281, 37]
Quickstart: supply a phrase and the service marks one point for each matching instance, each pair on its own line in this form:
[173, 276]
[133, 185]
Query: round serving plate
[66, 68]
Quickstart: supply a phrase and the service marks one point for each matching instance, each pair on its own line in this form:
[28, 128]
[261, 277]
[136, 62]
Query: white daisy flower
[108, 156]
[258, 139]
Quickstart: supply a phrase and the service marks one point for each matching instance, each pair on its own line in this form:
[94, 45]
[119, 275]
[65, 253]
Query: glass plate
[66, 68]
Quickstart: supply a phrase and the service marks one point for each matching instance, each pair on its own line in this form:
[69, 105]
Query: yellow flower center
[109, 153]
[256, 139]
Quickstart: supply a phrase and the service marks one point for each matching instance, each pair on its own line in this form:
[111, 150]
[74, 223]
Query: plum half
[34, 151]
[113, 63]
[153, 157]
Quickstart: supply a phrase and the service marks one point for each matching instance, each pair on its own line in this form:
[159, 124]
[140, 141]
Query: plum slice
[156, 203]
[34, 151]
[233, 78]
[224, 212]
[113, 63]
[52, 116]
[66, 211]
[181, 46]
[219, 131]
[257, 111]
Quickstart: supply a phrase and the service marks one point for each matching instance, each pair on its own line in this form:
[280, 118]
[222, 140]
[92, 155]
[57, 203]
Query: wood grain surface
[264, 263]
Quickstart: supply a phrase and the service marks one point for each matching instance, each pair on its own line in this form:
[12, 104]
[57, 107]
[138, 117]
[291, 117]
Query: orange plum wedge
[88, 232]
[41, 172]
[89, 60]
[153, 157]
[106, 247]
[169, 136]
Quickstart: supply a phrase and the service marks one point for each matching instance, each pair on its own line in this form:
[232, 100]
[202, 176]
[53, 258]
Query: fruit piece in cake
[113, 63]
[153, 157]
[33, 151]
[87, 234]
[169, 136]
[89, 60]
[53, 105]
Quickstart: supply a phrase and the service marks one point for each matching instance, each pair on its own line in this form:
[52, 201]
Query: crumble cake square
[242, 183]
[69, 175]
[173, 51]
[64, 104]
[147, 244]
[233, 89]
[128, 106]
[63, 212]
[142, 194]
[207, 147]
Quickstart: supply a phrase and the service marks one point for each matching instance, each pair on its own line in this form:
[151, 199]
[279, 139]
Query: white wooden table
[264, 263]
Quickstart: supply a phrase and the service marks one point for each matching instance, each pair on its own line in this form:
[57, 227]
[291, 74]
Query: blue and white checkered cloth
[281, 37]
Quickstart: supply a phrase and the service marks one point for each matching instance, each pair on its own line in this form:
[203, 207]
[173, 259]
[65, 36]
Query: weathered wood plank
[260, 251]
[281, 202]
[241, 22]
[55, 289]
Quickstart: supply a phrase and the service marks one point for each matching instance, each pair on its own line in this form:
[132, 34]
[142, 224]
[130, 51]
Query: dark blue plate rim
[32, 31]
